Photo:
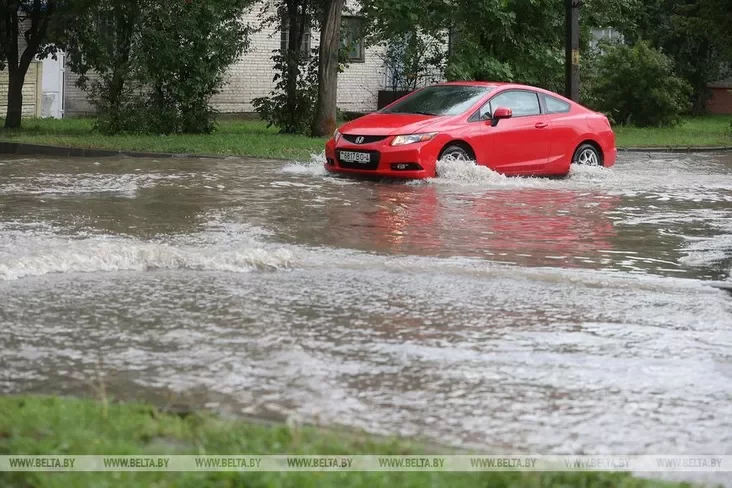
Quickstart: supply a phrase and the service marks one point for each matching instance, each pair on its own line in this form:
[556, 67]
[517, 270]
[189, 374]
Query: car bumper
[390, 160]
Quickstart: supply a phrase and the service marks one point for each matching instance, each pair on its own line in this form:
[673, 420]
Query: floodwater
[514, 315]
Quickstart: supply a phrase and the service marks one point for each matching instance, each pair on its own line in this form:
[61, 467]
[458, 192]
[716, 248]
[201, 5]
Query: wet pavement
[513, 315]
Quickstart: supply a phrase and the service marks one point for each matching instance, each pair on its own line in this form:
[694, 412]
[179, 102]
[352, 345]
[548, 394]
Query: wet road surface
[514, 315]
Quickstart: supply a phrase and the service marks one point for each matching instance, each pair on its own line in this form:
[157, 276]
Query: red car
[513, 129]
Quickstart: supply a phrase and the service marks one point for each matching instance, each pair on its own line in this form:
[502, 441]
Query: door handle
[541, 125]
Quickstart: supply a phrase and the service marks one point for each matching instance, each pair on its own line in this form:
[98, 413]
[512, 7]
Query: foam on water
[108, 255]
[654, 177]
[314, 167]
[74, 184]
[706, 251]
[469, 173]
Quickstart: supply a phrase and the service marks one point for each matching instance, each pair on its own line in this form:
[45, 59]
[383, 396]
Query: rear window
[440, 100]
[555, 105]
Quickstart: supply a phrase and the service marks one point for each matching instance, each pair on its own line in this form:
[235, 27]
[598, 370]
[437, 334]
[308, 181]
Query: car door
[563, 130]
[520, 144]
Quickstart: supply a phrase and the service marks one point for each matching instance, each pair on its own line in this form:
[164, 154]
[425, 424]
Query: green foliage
[517, 41]
[412, 60]
[291, 111]
[35, 23]
[291, 106]
[513, 40]
[637, 85]
[695, 34]
[155, 64]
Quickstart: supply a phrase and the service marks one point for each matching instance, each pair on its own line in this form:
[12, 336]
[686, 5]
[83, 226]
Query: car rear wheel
[588, 155]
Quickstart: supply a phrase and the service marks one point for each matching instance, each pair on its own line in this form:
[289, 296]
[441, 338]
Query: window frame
[476, 115]
[361, 37]
[545, 105]
[305, 50]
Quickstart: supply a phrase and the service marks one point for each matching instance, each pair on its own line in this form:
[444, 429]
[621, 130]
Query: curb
[688, 149]
[21, 148]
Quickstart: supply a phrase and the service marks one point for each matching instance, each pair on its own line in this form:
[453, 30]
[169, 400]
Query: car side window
[555, 105]
[521, 102]
[484, 111]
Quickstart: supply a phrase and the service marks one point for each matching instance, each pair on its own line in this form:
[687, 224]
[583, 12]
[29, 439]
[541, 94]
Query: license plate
[355, 157]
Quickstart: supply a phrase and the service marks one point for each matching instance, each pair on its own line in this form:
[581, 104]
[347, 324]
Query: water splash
[100, 255]
[314, 167]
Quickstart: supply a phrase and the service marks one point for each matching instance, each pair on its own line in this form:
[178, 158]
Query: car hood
[381, 124]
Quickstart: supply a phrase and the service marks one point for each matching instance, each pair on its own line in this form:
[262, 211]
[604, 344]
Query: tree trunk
[297, 23]
[15, 99]
[18, 66]
[330, 43]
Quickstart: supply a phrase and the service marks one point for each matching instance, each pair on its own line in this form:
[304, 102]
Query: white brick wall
[251, 77]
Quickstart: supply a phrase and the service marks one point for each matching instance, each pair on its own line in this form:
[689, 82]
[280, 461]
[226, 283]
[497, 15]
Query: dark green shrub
[292, 111]
[636, 85]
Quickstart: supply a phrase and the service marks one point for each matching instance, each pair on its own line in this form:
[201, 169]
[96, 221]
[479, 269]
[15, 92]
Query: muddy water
[518, 315]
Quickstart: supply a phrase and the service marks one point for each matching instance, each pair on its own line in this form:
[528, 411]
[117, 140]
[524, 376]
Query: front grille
[371, 165]
[366, 139]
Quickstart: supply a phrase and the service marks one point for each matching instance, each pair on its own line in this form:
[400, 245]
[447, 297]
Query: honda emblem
[359, 140]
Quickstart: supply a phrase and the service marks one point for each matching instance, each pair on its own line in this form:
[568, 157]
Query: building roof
[721, 84]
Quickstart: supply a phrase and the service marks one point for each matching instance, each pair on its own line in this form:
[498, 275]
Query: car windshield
[440, 100]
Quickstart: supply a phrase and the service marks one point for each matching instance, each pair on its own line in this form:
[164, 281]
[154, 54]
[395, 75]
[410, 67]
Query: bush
[636, 85]
[155, 64]
[292, 111]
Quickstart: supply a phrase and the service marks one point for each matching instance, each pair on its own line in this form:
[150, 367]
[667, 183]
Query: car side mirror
[501, 113]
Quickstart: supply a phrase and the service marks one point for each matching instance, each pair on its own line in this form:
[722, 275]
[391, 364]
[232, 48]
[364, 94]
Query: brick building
[720, 100]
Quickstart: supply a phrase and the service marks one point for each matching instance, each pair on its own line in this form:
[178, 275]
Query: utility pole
[572, 53]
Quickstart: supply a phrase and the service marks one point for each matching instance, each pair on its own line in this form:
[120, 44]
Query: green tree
[695, 34]
[101, 47]
[33, 21]
[306, 81]
[185, 50]
[291, 104]
[153, 65]
[637, 85]
[512, 40]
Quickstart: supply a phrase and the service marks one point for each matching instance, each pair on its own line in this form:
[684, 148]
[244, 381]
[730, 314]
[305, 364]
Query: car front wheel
[456, 152]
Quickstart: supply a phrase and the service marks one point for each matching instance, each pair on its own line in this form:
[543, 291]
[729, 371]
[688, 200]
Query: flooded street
[515, 315]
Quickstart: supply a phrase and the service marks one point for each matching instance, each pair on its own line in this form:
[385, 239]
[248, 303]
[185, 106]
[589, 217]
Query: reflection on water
[524, 226]
[515, 315]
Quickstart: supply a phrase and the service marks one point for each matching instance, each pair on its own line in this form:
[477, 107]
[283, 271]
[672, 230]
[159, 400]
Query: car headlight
[413, 139]
[336, 135]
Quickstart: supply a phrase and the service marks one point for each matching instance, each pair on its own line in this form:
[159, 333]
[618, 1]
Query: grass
[709, 130]
[233, 138]
[67, 426]
[252, 138]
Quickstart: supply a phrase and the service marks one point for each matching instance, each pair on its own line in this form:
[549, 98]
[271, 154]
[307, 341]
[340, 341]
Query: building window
[285, 41]
[352, 39]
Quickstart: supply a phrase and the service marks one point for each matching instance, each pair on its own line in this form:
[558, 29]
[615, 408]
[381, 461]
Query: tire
[587, 155]
[458, 152]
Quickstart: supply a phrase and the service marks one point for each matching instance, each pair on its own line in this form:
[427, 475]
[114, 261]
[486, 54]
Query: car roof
[475, 83]
[504, 84]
